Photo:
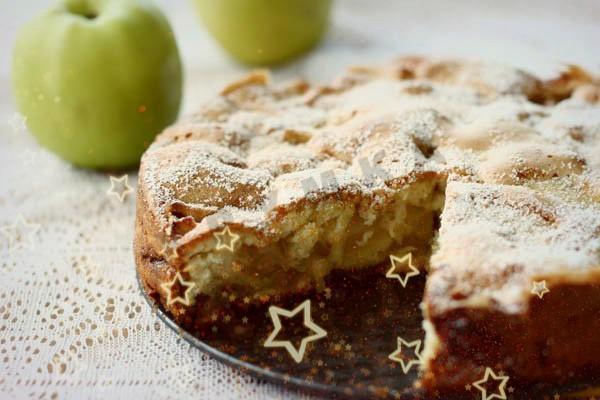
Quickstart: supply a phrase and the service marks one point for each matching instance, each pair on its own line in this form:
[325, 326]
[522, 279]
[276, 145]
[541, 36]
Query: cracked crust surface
[516, 158]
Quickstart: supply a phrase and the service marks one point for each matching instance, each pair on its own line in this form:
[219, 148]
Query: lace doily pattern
[73, 323]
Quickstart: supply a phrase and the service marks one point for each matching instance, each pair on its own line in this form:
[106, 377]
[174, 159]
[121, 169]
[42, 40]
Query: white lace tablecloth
[72, 321]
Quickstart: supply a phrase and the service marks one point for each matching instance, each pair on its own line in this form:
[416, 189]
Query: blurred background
[540, 35]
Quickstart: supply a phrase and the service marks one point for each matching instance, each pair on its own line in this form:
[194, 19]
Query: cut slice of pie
[487, 175]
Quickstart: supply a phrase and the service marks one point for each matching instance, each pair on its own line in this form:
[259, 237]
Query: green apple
[264, 32]
[98, 79]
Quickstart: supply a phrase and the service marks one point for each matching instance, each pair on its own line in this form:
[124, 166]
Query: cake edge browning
[158, 260]
[493, 333]
[535, 346]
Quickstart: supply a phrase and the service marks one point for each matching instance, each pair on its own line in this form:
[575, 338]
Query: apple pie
[487, 175]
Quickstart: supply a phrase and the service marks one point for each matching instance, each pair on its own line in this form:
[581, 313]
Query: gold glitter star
[179, 281]
[20, 234]
[539, 288]
[400, 264]
[397, 354]
[226, 239]
[264, 298]
[123, 190]
[481, 385]
[297, 354]
[169, 252]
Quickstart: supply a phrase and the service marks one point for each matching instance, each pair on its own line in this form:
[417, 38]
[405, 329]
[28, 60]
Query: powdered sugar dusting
[522, 198]
[495, 238]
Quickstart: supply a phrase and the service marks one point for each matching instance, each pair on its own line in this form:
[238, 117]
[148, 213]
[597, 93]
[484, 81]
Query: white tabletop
[72, 322]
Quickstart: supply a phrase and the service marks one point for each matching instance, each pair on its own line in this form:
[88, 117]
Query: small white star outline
[124, 190]
[18, 122]
[20, 229]
[226, 239]
[397, 354]
[480, 385]
[168, 286]
[539, 288]
[405, 260]
[297, 354]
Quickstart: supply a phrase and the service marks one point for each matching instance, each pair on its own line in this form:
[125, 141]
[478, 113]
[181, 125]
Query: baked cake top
[521, 158]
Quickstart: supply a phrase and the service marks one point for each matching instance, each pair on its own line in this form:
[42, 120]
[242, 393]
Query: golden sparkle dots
[119, 187]
[539, 288]
[178, 280]
[18, 122]
[482, 385]
[398, 355]
[297, 354]
[20, 234]
[399, 265]
[226, 239]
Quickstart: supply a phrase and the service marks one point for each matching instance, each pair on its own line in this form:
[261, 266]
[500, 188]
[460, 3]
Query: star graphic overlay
[402, 264]
[20, 234]
[18, 122]
[539, 288]
[399, 357]
[173, 290]
[226, 239]
[119, 187]
[482, 384]
[276, 313]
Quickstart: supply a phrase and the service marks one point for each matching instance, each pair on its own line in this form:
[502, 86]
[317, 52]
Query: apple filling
[310, 242]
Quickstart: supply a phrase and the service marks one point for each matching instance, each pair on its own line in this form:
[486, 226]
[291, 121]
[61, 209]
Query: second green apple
[264, 32]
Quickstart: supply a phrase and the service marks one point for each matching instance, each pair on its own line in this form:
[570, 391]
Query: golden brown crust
[554, 341]
[521, 158]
